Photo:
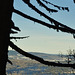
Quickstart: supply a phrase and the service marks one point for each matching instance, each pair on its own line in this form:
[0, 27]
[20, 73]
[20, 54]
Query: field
[25, 66]
[31, 67]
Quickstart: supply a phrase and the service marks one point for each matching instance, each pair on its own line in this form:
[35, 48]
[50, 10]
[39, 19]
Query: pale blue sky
[43, 39]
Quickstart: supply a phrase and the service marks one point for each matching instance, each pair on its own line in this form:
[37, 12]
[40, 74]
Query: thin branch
[18, 37]
[48, 9]
[13, 32]
[47, 17]
[38, 58]
[74, 1]
[9, 62]
[14, 27]
[43, 23]
[59, 7]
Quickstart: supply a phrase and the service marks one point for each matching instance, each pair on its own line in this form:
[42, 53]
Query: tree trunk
[6, 7]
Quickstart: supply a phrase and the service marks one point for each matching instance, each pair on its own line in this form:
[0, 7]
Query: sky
[43, 39]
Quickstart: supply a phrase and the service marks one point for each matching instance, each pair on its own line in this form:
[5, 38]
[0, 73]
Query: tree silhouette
[6, 7]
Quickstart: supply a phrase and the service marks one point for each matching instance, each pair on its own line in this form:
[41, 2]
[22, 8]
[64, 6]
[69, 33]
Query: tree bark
[6, 7]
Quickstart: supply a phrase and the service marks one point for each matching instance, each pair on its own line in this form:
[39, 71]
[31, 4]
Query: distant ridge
[15, 54]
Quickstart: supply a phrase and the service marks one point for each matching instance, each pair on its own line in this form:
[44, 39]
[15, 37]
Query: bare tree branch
[48, 9]
[59, 7]
[74, 1]
[57, 24]
[10, 62]
[41, 60]
[14, 27]
[18, 37]
[63, 29]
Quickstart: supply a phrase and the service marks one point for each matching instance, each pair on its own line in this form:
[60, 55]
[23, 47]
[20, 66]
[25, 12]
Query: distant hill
[25, 66]
[15, 55]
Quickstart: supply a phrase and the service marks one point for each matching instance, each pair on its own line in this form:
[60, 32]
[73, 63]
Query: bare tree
[6, 7]
[69, 57]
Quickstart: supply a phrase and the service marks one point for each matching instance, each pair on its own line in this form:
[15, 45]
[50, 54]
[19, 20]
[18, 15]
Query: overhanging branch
[41, 60]
[47, 17]
[63, 29]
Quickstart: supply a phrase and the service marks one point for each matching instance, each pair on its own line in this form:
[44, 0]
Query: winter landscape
[25, 66]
